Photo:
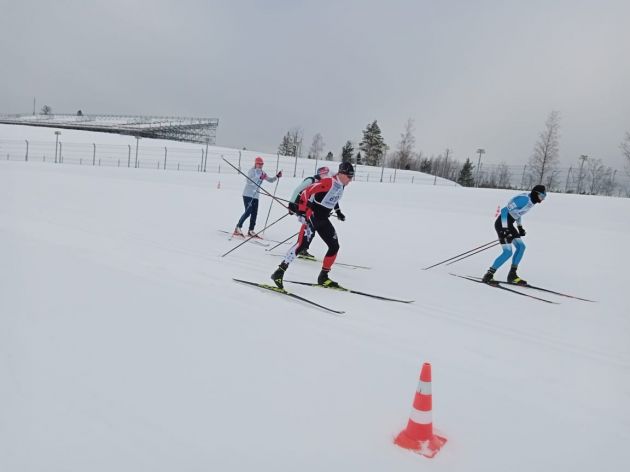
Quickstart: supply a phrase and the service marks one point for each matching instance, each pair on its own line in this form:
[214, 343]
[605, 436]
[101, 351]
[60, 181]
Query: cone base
[428, 448]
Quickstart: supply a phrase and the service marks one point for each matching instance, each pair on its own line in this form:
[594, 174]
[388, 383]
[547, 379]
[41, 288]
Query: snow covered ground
[125, 345]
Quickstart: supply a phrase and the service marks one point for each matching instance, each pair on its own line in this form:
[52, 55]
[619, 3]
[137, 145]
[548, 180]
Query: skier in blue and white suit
[509, 234]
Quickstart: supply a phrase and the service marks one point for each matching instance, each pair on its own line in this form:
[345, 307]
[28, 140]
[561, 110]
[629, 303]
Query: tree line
[588, 174]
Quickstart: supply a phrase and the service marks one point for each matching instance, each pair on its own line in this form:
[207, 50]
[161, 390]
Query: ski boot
[253, 234]
[238, 232]
[513, 278]
[278, 275]
[488, 278]
[325, 281]
[306, 255]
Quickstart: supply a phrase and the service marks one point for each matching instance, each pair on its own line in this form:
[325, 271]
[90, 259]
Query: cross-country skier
[295, 197]
[509, 234]
[251, 192]
[317, 202]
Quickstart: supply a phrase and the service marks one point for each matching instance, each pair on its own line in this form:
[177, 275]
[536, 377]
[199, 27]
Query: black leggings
[326, 231]
[513, 231]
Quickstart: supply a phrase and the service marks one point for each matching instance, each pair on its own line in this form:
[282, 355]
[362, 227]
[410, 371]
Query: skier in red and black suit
[316, 204]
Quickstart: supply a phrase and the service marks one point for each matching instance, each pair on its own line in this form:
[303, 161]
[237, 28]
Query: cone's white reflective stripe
[424, 388]
[421, 417]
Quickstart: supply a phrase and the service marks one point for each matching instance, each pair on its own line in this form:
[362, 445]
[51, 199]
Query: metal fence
[190, 157]
[587, 180]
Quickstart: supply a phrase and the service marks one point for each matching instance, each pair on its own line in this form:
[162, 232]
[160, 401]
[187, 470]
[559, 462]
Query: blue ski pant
[507, 247]
[251, 212]
[507, 253]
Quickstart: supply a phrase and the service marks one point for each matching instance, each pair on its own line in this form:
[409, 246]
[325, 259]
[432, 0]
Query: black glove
[507, 235]
[340, 215]
[279, 174]
[293, 207]
[521, 231]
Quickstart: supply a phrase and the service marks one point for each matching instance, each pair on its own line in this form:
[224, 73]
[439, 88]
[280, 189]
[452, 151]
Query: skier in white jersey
[251, 192]
[317, 202]
[508, 234]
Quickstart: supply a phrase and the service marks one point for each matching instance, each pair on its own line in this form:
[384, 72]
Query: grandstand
[191, 130]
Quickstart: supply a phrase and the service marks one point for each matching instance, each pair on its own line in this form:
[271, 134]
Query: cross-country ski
[540, 289]
[344, 289]
[501, 287]
[289, 294]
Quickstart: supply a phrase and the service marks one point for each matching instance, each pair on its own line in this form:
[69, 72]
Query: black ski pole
[279, 200]
[268, 226]
[282, 242]
[473, 253]
[458, 255]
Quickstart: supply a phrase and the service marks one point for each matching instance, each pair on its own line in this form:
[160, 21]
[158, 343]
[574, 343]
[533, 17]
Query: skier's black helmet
[538, 193]
[346, 168]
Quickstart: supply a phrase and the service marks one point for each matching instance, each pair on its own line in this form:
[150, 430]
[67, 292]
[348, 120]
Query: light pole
[138, 138]
[384, 157]
[583, 158]
[480, 151]
[205, 164]
[57, 133]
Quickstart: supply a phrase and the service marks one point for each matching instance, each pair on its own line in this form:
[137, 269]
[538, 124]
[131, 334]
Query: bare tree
[581, 174]
[609, 185]
[296, 136]
[597, 175]
[317, 147]
[46, 110]
[404, 154]
[546, 153]
[504, 176]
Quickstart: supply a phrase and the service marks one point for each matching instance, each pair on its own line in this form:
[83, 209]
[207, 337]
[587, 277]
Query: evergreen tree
[372, 144]
[425, 165]
[465, 175]
[291, 143]
[359, 159]
[285, 146]
[346, 152]
[329, 156]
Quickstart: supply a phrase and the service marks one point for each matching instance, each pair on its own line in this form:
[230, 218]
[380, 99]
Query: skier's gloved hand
[521, 231]
[507, 235]
[279, 174]
[340, 215]
[294, 209]
[263, 176]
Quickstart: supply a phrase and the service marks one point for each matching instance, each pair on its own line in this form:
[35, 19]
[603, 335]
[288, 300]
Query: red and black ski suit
[317, 201]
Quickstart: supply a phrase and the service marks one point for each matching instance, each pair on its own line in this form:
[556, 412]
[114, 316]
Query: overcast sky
[470, 73]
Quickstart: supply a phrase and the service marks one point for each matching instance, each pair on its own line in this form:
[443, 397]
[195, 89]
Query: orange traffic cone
[418, 436]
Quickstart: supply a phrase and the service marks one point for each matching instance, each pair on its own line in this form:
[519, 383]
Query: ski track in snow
[123, 331]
